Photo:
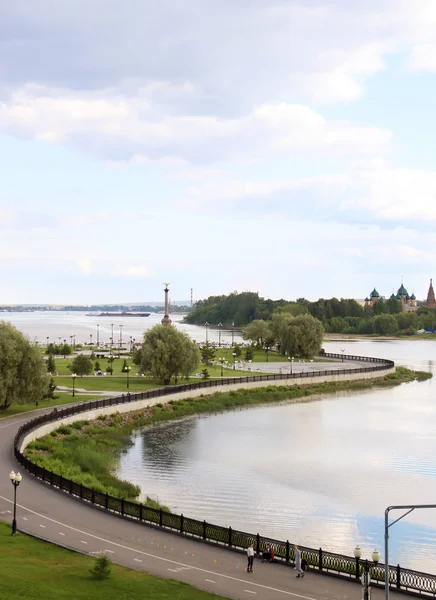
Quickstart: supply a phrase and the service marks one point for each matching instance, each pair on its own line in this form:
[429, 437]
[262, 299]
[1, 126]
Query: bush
[102, 567]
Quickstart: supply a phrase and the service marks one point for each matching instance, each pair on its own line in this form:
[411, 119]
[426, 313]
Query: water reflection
[318, 473]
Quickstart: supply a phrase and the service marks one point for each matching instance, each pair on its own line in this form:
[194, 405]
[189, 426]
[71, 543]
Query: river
[318, 473]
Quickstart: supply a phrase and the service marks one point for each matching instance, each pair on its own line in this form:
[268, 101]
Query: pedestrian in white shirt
[250, 556]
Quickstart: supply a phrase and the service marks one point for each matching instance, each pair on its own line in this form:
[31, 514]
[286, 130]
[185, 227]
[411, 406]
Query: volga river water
[319, 473]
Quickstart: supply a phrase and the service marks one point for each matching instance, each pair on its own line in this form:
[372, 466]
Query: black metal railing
[329, 563]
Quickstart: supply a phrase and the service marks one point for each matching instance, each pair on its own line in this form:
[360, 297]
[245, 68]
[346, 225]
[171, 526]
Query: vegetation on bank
[88, 451]
[336, 316]
[37, 570]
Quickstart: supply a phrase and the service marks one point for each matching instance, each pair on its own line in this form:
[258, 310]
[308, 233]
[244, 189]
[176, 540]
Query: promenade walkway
[54, 516]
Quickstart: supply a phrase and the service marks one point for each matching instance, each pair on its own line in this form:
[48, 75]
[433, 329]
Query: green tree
[384, 324]
[207, 352]
[23, 372]
[97, 366]
[168, 353]
[302, 336]
[81, 365]
[51, 365]
[125, 367]
[258, 331]
[50, 393]
[102, 567]
[249, 353]
[110, 368]
[65, 349]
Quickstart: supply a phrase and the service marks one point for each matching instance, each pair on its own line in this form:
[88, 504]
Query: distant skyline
[284, 147]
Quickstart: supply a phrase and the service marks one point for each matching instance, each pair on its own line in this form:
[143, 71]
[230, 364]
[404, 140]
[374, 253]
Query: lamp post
[98, 335]
[90, 339]
[121, 339]
[112, 335]
[234, 360]
[267, 349]
[342, 350]
[73, 375]
[233, 334]
[222, 364]
[219, 334]
[357, 555]
[291, 362]
[47, 340]
[15, 480]
[127, 376]
[206, 325]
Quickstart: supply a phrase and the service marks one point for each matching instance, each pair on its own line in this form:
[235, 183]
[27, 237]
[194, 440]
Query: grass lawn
[64, 398]
[35, 570]
[259, 356]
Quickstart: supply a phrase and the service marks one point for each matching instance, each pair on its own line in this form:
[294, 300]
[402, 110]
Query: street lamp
[222, 363]
[233, 334]
[376, 556]
[234, 360]
[291, 362]
[267, 349]
[342, 350]
[98, 335]
[15, 480]
[127, 376]
[357, 552]
[73, 375]
[219, 334]
[206, 325]
[112, 337]
[121, 340]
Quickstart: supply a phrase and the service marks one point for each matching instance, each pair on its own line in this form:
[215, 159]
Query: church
[408, 303]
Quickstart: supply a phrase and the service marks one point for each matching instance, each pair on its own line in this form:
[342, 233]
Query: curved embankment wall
[328, 563]
[133, 404]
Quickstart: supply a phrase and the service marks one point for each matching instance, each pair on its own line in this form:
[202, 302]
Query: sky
[276, 146]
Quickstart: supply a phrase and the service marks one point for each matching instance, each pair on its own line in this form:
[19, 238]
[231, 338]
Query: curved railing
[329, 563]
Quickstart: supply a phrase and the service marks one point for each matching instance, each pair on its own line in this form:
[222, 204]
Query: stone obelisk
[166, 320]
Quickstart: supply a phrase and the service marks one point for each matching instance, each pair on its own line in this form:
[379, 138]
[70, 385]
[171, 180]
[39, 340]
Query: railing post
[287, 551]
[357, 568]
[320, 559]
[257, 543]
[106, 503]
[230, 536]
[181, 523]
[81, 491]
[93, 496]
[160, 517]
[141, 518]
[60, 481]
[204, 529]
[398, 577]
[122, 506]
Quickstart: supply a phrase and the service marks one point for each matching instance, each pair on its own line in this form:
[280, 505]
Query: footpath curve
[54, 516]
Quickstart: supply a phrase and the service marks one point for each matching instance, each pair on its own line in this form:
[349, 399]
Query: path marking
[43, 526]
[137, 560]
[82, 542]
[210, 580]
[250, 592]
[24, 518]
[5, 512]
[110, 551]
[60, 533]
[167, 560]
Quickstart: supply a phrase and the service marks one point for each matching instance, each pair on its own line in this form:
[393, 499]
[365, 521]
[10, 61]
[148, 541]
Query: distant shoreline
[350, 337]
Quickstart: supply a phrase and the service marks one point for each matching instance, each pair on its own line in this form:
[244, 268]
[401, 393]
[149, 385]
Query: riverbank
[88, 451]
[352, 337]
[33, 569]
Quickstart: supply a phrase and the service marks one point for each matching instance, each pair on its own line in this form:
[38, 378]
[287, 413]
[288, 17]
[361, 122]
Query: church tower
[431, 302]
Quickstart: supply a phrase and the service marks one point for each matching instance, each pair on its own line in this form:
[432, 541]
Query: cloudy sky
[285, 147]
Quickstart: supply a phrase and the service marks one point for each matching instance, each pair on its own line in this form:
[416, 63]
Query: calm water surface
[317, 473]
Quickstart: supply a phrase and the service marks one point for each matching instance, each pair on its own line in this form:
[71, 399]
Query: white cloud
[102, 123]
[422, 58]
[85, 265]
[140, 271]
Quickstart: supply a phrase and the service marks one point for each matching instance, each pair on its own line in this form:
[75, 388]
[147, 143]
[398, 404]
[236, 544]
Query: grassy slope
[64, 398]
[88, 451]
[35, 570]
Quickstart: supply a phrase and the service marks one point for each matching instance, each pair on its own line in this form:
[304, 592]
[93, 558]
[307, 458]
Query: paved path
[53, 515]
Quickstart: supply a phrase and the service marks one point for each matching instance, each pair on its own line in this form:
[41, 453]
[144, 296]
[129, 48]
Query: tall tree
[81, 365]
[51, 365]
[258, 331]
[23, 372]
[168, 353]
[302, 336]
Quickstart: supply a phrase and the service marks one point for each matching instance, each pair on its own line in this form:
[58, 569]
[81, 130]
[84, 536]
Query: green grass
[35, 570]
[87, 452]
[64, 398]
[108, 383]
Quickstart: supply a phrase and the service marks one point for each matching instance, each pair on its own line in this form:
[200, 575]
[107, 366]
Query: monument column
[166, 320]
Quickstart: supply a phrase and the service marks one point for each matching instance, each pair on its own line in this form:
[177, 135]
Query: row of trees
[336, 316]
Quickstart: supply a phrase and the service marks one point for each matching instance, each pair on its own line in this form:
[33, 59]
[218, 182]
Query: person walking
[298, 567]
[250, 557]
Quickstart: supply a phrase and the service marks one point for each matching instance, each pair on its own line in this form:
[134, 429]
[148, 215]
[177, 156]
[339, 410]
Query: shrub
[102, 567]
